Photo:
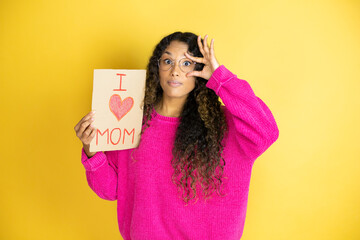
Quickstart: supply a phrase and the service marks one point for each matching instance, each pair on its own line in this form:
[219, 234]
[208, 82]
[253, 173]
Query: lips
[174, 83]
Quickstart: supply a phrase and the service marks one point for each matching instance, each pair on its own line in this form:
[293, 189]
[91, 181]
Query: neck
[170, 107]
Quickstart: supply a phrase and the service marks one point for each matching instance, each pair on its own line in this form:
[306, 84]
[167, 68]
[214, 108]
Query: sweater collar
[156, 115]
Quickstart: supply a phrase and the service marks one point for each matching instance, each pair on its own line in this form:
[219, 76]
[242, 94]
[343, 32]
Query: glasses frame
[173, 64]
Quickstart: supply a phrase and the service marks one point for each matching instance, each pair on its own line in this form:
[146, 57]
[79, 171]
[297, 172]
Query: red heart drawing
[120, 108]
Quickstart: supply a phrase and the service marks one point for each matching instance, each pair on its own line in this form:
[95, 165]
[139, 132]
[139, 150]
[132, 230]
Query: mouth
[174, 83]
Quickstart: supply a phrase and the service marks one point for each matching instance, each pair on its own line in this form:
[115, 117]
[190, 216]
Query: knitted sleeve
[253, 122]
[101, 173]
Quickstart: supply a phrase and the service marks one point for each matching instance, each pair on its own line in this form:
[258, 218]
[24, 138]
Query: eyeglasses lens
[186, 65]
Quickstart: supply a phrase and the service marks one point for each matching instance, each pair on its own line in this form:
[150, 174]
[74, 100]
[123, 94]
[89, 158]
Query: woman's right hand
[85, 131]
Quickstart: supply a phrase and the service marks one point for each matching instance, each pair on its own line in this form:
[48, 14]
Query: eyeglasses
[185, 64]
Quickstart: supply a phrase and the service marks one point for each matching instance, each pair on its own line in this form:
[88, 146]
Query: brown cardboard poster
[117, 99]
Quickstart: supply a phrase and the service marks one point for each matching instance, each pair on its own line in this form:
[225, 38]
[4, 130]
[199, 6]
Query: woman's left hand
[211, 64]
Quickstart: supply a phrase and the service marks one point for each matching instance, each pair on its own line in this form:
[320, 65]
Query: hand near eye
[208, 60]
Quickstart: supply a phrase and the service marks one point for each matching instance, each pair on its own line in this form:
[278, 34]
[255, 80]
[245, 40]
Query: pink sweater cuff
[219, 77]
[93, 163]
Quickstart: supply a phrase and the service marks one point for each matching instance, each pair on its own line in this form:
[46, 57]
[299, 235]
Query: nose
[175, 70]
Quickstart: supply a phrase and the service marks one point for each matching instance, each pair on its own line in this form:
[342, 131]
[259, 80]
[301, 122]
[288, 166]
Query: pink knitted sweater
[149, 205]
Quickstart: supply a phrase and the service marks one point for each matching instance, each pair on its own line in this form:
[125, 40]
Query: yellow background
[300, 57]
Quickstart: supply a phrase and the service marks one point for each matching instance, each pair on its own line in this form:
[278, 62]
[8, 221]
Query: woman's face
[174, 82]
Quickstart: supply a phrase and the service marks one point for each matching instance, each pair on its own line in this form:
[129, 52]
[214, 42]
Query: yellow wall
[302, 59]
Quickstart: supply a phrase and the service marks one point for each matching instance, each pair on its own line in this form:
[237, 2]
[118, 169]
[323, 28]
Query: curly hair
[197, 152]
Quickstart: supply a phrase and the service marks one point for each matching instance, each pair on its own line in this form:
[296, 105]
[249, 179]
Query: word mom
[116, 135]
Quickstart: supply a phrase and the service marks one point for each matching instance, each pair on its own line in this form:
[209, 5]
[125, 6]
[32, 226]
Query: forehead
[176, 48]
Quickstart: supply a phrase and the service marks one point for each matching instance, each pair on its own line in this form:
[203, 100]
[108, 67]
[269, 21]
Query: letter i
[121, 75]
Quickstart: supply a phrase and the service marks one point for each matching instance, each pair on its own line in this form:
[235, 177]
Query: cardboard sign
[117, 99]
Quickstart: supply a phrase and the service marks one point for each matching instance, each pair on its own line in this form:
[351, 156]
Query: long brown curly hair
[197, 153]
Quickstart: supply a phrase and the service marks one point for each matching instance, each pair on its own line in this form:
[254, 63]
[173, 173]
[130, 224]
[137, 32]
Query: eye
[167, 61]
[187, 63]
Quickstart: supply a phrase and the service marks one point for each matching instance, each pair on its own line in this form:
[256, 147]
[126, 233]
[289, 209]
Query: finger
[86, 117]
[86, 133]
[84, 126]
[212, 47]
[91, 136]
[201, 46]
[206, 47]
[195, 59]
[194, 73]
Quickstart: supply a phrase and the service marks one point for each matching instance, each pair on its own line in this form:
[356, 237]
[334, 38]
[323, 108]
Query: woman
[189, 177]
